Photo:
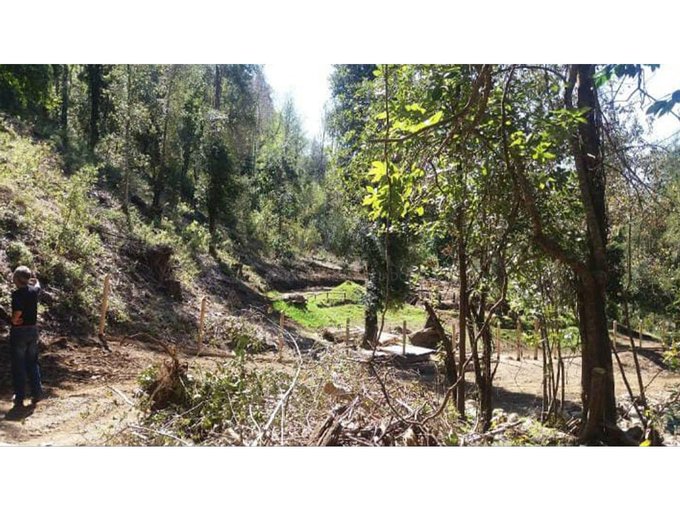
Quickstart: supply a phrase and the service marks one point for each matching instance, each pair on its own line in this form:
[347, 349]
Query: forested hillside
[467, 254]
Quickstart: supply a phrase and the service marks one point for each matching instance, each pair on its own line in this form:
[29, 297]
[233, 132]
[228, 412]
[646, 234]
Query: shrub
[216, 407]
[18, 254]
[196, 237]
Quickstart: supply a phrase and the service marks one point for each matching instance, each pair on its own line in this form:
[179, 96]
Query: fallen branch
[478, 436]
[282, 401]
[161, 433]
[122, 395]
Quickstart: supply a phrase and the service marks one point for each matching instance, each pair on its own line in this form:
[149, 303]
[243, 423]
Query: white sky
[660, 84]
[308, 85]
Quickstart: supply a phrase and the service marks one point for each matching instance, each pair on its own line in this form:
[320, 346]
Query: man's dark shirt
[25, 306]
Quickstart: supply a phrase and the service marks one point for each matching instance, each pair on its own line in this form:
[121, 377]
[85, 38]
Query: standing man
[23, 337]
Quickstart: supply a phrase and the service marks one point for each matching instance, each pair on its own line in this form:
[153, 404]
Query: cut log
[446, 305]
[389, 339]
[328, 335]
[295, 299]
[427, 337]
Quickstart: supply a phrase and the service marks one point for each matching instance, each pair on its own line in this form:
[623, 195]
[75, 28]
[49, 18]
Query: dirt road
[86, 389]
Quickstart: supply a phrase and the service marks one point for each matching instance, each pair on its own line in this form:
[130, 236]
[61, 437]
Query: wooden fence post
[614, 327]
[640, 337]
[519, 339]
[498, 339]
[537, 329]
[282, 325]
[664, 332]
[403, 339]
[201, 324]
[105, 306]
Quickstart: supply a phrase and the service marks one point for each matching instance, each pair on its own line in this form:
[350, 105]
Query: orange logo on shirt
[16, 318]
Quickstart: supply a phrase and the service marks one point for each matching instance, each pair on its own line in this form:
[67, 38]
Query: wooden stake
[519, 340]
[640, 337]
[201, 323]
[614, 337]
[664, 332]
[105, 306]
[537, 329]
[347, 331]
[498, 339]
[282, 325]
[403, 339]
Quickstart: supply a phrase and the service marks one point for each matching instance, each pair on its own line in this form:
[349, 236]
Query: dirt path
[519, 383]
[83, 405]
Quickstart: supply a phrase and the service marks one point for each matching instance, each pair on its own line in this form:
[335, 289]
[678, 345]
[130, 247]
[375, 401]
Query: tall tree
[95, 83]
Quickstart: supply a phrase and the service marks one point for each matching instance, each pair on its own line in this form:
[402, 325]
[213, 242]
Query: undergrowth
[223, 406]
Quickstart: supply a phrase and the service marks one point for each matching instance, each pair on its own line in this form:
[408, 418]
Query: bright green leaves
[543, 143]
[541, 152]
[405, 125]
[568, 118]
[378, 171]
[415, 107]
[392, 194]
[519, 142]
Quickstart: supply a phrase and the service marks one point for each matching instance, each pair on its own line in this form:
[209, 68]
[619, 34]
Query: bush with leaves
[222, 407]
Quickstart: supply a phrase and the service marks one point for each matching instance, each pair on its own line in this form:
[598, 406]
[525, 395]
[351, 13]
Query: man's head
[22, 276]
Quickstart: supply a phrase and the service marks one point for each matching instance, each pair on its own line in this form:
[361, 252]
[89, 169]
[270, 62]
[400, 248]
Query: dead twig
[122, 395]
[162, 433]
[284, 398]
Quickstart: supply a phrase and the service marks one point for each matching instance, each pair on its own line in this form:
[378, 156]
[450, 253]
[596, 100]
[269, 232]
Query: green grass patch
[345, 293]
[317, 317]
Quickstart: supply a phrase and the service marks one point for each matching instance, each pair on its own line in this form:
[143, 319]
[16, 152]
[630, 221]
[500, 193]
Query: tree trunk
[371, 307]
[218, 87]
[591, 280]
[65, 74]
[462, 312]
[482, 364]
[596, 350]
[94, 76]
[128, 113]
[212, 230]
[486, 393]
[370, 328]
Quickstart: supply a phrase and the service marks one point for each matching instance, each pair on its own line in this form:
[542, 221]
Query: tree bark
[128, 113]
[596, 351]
[370, 337]
[591, 280]
[65, 75]
[95, 84]
[462, 312]
[218, 87]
